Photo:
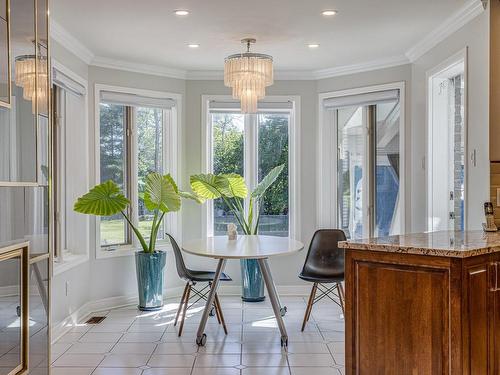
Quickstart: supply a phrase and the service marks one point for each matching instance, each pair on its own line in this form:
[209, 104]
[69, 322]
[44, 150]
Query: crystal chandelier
[25, 77]
[248, 74]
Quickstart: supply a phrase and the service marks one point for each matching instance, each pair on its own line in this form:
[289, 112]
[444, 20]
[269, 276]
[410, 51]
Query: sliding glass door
[368, 157]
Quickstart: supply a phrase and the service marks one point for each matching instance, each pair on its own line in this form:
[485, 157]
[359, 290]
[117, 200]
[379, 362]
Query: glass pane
[10, 311]
[4, 55]
[457, 108]
[149, 159]
[18, 146]
[387, 210]
[24, 216]
[38, 316]
[228, 157]
[113, 165]
[273, 151]
[350, 170]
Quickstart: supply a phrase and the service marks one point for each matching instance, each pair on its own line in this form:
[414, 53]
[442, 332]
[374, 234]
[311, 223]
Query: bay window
[251, 145]
[70, 154]
[134, 140]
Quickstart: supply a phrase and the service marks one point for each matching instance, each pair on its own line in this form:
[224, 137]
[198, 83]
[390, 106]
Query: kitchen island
[426, 303]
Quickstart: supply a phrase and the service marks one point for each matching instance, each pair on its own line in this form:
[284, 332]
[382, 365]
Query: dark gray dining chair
[193, 277]
[324, 264]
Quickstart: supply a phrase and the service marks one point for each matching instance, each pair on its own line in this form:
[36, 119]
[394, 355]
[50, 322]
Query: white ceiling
[147, 31]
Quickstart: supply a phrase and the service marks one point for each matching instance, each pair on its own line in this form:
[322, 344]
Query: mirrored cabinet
[25, 204]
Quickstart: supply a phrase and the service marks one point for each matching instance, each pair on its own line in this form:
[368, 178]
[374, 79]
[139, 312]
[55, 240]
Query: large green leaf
[104, 199]
[236, 186]
[209, 186]
[161, 193]
[267, 181]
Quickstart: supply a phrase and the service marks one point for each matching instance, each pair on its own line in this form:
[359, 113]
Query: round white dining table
[256, 247]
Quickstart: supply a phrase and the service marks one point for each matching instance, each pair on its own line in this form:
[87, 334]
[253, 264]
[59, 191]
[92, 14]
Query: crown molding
[361, 67]
[279, 75]
[157, 70]
[68, 41]
[457, 20]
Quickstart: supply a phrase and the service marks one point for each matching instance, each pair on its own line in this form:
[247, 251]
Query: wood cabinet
[421, 314]
[494, 80]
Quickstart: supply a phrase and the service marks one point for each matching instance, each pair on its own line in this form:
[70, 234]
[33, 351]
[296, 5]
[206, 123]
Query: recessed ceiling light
[313, 45]
[181, 12]
[329, 12]
[193, 45]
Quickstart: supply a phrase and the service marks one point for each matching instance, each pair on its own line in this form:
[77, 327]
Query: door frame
[457, 58]
[327, 156]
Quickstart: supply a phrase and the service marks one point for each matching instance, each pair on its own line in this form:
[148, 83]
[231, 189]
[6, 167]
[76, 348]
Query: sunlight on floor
[129, 342]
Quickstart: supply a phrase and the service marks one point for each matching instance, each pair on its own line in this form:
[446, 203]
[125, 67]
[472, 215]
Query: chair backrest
[324, 257]
[179, 260]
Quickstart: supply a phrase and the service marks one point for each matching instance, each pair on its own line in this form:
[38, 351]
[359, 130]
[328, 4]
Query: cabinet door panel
[477, 317]
[402, 315]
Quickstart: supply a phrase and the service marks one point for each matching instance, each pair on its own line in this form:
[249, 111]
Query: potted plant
[232, 189]
[161, 196]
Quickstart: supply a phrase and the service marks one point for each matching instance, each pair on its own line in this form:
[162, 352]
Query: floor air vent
[95, 320]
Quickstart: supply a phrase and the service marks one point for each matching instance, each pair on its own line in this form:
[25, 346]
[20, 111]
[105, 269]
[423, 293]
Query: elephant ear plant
[161, 196]
[232, 189]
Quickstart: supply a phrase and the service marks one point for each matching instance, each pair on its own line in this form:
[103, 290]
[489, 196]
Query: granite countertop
[445, 243]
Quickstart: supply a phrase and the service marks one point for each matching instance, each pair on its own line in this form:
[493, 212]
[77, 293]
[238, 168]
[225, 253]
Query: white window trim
[327, 157]
[457, 58]
[293, 159]
[71, 259]
[173, 164]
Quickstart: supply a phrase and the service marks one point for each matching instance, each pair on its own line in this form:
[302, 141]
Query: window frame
[327, 156]
[250, 163]
[67, 258]
[171, 162]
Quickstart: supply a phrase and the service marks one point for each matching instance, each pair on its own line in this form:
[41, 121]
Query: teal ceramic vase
[252, 281]
[150, 269]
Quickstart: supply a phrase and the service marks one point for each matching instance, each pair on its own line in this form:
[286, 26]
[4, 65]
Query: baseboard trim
[84, 312]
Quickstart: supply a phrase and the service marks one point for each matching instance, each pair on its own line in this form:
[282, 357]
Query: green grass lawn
[112, 231]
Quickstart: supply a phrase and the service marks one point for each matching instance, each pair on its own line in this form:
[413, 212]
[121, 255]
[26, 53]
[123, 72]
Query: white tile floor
[129, 342]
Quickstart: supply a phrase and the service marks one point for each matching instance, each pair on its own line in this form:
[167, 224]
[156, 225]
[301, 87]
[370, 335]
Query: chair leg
[340, 290]
[309, 305]
[217, 313]
[218, 309]
[188, 292]
[181, 304]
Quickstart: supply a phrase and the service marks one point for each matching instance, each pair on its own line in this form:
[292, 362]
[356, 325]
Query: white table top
[244, 247]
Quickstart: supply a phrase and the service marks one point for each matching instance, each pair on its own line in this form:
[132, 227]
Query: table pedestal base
[279, 311]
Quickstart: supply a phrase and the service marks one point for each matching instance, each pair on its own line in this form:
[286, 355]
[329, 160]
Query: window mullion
[250, 153]
[131, 156]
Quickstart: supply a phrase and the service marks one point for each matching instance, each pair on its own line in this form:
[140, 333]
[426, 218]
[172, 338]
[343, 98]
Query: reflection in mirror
[38, 305]
[18, 145]
[10, 321]
[24, 217]
[4, 55]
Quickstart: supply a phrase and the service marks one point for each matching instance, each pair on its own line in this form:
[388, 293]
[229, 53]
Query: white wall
[474, 36]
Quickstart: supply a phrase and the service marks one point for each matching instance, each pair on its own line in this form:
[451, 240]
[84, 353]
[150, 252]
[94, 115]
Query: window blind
[135, 100]
[223, 106]
[359, 100]
[67, 83]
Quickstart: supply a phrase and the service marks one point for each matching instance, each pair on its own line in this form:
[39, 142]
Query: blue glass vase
[251, 281]
[150, 269]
